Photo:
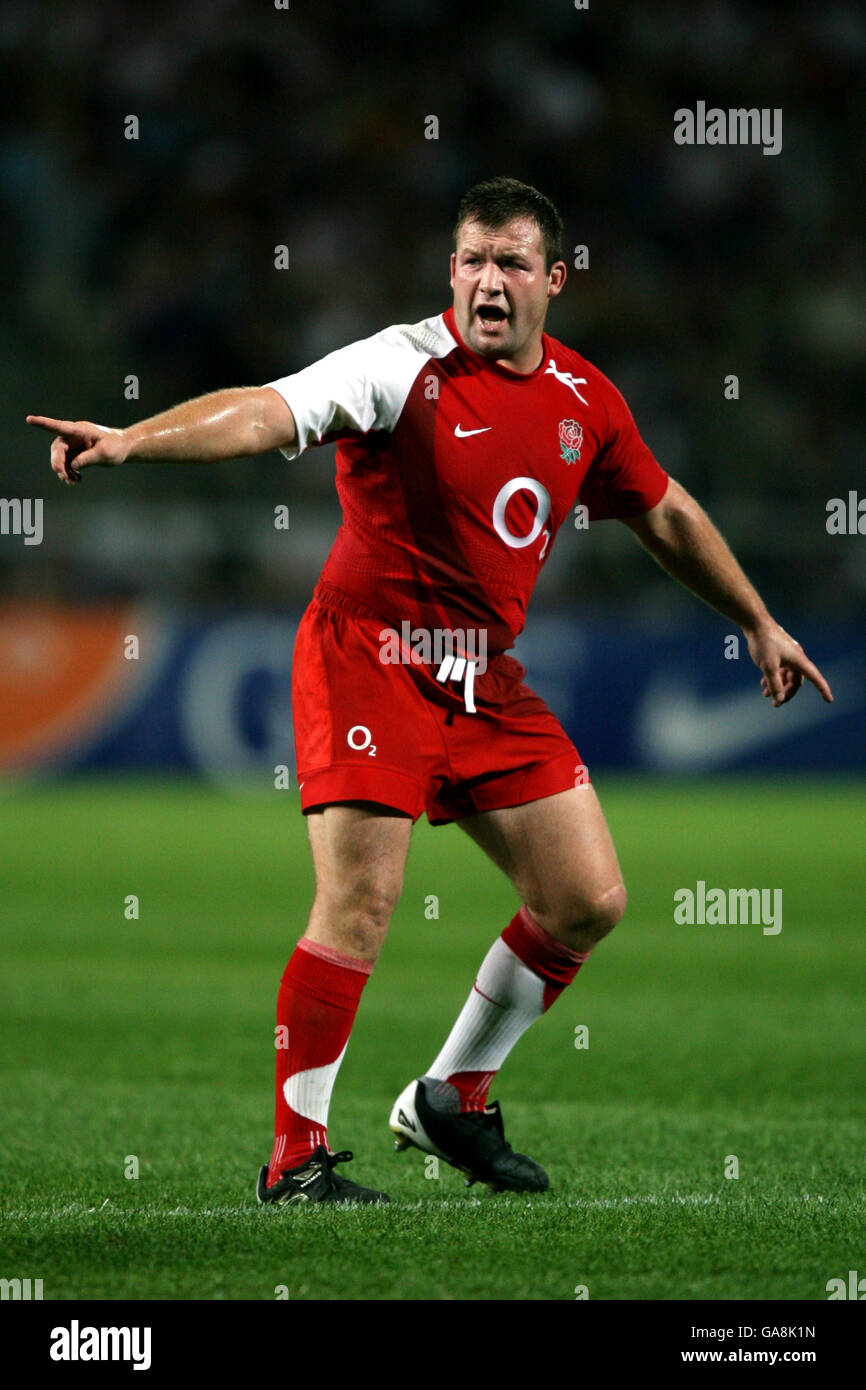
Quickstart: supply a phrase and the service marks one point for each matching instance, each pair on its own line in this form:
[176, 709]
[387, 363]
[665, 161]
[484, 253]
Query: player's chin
[491, 344]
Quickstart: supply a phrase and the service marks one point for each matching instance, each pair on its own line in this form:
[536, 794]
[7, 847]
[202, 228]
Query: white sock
[523, 972]
[506, 998]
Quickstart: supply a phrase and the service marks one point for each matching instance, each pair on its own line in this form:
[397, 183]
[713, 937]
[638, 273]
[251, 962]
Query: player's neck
[526, 361]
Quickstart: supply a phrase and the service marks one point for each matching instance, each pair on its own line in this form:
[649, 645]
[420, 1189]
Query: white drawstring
[453, 667]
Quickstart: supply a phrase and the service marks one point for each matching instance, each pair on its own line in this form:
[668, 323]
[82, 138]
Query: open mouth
[490, 315]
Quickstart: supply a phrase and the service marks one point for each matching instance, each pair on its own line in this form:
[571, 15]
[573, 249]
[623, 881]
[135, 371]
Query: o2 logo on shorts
[359, 738]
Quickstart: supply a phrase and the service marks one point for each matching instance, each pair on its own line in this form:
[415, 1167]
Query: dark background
[305, 127]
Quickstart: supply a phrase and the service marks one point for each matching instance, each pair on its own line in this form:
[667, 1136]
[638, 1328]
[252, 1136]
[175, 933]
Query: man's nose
[491, 280]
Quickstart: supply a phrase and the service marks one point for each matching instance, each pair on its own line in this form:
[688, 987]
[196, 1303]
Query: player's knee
[362, 938]
[588, 919]
[359, 917]
[611, 907]
[369, 910]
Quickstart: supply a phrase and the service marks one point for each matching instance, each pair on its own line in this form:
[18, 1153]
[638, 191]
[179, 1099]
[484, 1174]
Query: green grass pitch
[153, 1039]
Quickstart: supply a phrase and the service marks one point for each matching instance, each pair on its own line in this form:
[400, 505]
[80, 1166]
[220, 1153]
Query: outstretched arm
[228, 424]
[680, 536]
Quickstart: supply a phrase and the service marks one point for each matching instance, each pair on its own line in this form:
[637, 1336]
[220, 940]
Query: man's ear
[556, 278]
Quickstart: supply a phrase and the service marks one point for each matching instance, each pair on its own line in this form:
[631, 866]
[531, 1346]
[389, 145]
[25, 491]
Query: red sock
[316, 1006]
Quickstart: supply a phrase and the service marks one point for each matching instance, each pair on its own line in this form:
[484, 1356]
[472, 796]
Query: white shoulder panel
[363, 386]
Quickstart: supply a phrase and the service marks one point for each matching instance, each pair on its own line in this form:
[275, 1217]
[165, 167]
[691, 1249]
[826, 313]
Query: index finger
[45, 422]
[802, 663]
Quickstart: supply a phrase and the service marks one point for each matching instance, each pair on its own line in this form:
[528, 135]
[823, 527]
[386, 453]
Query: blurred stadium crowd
[305, 126]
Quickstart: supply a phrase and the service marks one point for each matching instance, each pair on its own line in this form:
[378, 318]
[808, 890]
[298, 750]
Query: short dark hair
[500, 200]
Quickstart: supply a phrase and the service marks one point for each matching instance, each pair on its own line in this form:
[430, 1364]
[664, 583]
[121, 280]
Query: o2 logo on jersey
[542, 499]
[359, 738]
[504, 496]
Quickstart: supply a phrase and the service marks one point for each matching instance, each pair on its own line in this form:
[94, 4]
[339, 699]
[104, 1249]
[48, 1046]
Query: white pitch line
[465, 1202]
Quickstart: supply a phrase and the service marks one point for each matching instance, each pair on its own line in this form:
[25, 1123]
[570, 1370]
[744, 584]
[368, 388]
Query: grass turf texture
[154, 1038]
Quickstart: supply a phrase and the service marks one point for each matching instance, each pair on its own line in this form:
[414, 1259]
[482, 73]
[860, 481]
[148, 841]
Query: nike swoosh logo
[464, 434]
[679, 730]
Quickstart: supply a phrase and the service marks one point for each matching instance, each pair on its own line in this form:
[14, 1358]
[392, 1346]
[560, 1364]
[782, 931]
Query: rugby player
[465, 442]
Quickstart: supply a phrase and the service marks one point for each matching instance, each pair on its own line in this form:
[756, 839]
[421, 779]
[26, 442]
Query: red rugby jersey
[455, 474]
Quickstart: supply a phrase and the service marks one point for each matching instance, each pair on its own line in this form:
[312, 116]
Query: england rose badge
[570, 440]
